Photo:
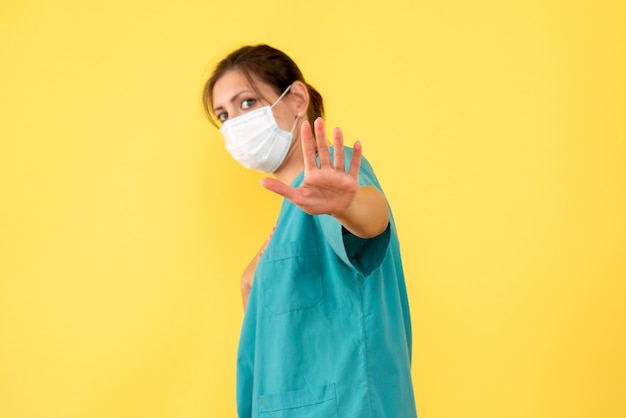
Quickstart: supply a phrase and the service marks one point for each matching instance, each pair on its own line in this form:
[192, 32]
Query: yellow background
[497, 129]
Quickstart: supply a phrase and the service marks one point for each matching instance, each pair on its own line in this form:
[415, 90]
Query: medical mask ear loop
[281, 96]
[295, 122]
[278, 100]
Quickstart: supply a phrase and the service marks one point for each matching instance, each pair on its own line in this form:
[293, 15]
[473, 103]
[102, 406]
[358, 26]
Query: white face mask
[256, 141]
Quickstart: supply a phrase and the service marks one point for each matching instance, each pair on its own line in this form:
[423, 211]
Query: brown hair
[269, 65]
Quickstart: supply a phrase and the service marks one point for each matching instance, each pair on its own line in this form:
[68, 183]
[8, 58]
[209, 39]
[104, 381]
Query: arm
[368, 214]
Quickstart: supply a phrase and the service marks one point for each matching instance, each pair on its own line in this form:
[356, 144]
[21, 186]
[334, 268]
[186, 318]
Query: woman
[326, 331]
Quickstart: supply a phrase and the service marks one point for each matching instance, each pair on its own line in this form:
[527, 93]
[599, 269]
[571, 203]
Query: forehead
[234, 82]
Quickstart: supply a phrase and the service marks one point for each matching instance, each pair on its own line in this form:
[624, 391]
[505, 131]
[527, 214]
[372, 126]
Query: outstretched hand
[327, 189]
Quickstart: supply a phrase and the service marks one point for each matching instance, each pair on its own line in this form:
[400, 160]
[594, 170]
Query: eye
[222, 117]
[247, 103]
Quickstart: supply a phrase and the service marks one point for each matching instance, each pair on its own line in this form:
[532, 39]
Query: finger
[340, 156]
[355, 163]
[277, 187]
[308, 146]
[323, 151]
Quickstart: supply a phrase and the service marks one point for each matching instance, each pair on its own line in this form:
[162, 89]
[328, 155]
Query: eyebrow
[232, 99]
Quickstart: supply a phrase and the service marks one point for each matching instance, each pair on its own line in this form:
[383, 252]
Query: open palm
[327, 188]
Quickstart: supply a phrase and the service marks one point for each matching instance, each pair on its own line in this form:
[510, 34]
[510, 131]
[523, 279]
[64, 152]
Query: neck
[293, 165]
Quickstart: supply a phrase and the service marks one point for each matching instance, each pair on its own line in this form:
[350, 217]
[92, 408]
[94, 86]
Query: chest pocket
[290, 276]
[318, 402]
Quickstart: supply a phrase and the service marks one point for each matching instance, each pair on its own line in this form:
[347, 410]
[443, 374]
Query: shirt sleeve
[363, 255]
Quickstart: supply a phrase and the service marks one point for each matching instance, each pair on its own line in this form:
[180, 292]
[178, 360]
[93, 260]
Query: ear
[299, 97]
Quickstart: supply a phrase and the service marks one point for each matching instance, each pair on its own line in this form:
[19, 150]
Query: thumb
[276, 186]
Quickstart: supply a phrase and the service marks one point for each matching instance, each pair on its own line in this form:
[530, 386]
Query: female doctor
[326, 330]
